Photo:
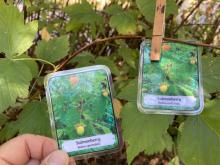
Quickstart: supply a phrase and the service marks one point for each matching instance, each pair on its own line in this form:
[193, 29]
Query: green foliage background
[28, 53]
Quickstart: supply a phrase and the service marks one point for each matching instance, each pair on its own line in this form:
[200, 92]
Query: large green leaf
[211, 74]
[129, 92]
[83, 59]
[10, 130]
[32, 65]
[147, 8]
[108, 62]
[124, 22]
[34, 119]
[199, 142]
[129, 55]
[113, 9]
[53, 50]
[146, 133]
[82, 14]
[15, 36]
[14, 82]
[3, 119]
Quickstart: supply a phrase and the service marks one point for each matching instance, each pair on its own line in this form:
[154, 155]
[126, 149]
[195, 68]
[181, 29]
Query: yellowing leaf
[45, 35]
[117, 107]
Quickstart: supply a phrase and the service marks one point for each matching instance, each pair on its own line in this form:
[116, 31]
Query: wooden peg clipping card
[158, 30]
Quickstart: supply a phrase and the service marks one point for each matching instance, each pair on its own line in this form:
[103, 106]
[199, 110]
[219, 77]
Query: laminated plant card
[81, 111]
[173, 84]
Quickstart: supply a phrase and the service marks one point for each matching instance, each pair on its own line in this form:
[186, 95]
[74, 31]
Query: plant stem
[98, 41]
[187, 17]
[35, 59]
[31, 89]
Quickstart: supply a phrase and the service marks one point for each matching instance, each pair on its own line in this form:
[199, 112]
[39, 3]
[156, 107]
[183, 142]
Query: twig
[32, 88]
[98, 41]
[186, 18]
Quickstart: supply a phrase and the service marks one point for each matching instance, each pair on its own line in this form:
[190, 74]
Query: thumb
[56, 158]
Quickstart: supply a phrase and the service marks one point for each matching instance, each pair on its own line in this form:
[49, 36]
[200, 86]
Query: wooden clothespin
[158, 30]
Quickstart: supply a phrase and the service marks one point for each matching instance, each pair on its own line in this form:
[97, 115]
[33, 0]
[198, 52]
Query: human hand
[33, 150]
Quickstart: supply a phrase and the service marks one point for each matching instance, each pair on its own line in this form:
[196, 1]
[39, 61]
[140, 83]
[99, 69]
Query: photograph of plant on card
[83, 112]
[173, 83]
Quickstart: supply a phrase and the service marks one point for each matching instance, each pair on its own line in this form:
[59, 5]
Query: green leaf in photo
[15, 79]
[146, 133]
[53, 50]
[199, 141]
[15, 36]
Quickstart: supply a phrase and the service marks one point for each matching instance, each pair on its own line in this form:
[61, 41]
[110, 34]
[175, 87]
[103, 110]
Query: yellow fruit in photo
[164, 87]
[80, 129]
[105, 92]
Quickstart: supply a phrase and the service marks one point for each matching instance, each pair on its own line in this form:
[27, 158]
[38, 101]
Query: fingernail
[58, 158]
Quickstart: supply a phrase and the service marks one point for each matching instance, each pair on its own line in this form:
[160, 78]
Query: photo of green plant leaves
[177, 74]
[82, 106]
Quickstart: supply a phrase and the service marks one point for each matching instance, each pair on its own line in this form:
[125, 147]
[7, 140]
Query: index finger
[25, 147]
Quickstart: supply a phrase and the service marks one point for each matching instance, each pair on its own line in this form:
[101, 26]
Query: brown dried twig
[187, 17]
[98, 41]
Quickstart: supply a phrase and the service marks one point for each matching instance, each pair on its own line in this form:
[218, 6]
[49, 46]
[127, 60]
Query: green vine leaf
[10, 130]
[203, 131]
[53, 50]
[32, 65]
[83, 59]
[25, 123]
[3, 119]
[108, 62]
[14, 81]
[211, 74]
[82, 14]
[147, 8]
[146, 133]
[129, 92]
[129, 55]
[124, 22]
[113, 9]
[41, 124]
[15, 36]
